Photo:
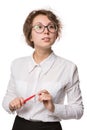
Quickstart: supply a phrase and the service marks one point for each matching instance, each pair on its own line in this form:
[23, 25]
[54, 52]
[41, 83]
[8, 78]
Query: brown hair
[27, 27]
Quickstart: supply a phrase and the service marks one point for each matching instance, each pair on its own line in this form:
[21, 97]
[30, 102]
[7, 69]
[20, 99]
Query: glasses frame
[47, 26]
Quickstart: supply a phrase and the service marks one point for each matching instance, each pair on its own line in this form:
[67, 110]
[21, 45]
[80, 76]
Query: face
[44, 39]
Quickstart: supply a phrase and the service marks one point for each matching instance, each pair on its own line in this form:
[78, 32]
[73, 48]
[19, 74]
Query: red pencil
[27, 99]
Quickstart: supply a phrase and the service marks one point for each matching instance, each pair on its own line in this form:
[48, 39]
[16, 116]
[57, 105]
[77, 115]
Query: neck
[40, 55]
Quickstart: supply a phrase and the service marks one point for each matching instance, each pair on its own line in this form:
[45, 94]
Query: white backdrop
[72, 45]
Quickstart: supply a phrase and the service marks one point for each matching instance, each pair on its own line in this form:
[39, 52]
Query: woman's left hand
[46, 98]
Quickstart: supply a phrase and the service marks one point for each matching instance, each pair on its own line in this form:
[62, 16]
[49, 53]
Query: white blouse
[55, 74]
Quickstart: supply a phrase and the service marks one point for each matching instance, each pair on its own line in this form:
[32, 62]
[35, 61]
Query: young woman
[43, 77]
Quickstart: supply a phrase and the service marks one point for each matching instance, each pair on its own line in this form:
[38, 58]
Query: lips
[46, 39]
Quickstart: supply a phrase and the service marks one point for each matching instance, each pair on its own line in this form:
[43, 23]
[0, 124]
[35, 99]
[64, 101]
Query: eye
[37, 27]
[51, 26]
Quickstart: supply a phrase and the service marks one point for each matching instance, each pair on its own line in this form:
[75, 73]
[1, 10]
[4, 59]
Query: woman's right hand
[16, 103]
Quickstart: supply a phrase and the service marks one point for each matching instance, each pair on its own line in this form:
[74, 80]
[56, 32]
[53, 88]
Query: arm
[74, 107]
[10, 94]
[10, 101]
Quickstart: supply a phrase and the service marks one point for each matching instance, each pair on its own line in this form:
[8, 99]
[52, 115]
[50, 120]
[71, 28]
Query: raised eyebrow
[37, 23]
[43, 24]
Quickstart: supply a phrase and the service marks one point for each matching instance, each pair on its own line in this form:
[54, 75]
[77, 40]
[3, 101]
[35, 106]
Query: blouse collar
[45, 65]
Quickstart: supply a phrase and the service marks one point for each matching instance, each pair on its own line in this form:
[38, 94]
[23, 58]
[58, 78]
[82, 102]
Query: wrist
[52, 107]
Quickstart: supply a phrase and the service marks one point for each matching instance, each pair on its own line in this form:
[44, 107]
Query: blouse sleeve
[74, 108]
[10, 93]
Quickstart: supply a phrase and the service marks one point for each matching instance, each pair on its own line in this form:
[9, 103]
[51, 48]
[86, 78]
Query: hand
[46, 98]
[16, 103]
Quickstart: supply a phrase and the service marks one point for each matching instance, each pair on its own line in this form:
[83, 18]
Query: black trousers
[22, 124]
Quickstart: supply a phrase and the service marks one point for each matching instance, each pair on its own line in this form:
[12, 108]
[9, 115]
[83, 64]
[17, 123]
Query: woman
[44, 76]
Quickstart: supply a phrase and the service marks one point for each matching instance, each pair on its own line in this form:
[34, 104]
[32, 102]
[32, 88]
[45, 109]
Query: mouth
[46, 39]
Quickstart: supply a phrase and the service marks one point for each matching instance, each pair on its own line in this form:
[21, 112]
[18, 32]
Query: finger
[12, 106]
[15, 104]
[21, 101]
[44, 97]
[43, 91]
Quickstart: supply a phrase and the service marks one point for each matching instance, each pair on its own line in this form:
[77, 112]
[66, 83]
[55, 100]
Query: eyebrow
[42, 23]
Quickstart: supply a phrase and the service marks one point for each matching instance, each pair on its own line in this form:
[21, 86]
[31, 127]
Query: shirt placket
[36, 82]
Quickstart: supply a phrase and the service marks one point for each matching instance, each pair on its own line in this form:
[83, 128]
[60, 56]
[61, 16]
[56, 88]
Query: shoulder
[20, 62]
[67, 68]
[21, 59]
[65, 63]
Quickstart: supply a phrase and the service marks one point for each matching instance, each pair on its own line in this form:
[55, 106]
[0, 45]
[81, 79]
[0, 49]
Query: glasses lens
[38, 28]
[52, 28]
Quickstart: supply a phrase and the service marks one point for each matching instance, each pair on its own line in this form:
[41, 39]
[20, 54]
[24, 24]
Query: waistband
[36, 123]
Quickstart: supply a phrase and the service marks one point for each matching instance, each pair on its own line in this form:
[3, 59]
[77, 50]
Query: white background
[72, 45]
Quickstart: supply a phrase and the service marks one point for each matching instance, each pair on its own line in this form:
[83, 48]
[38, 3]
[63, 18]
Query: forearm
[6, 101]
[67, 111]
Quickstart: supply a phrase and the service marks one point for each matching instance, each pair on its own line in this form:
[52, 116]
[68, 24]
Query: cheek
[34, 37]
[31, 37]
[54, 37]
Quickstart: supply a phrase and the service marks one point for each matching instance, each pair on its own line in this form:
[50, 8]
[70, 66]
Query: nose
[46, 30]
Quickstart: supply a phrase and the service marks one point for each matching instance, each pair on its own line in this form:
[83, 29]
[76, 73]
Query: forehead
[41, 19]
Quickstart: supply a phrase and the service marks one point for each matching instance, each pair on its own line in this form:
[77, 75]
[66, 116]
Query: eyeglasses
[39, 27]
